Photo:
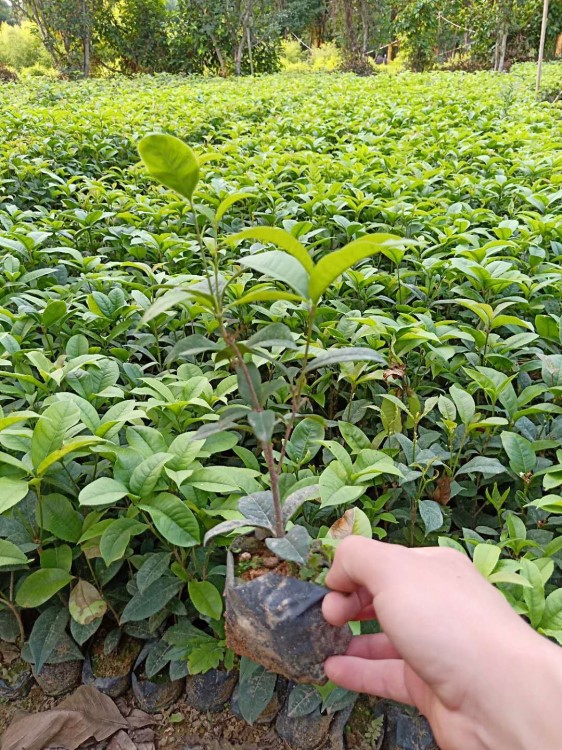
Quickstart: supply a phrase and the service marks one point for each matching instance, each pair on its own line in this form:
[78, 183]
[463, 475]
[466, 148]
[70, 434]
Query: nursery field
[352, 306]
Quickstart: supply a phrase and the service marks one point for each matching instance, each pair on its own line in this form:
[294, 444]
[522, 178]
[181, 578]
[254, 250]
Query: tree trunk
[350, 38]
[238, 55]
[220, 56]
[250, 55]
[364, 12]
[86, 41]
[502, 50]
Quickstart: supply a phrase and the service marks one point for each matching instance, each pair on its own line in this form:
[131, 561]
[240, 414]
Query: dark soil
[253, 559]
[182, 726]
[11, 664]
[118, 662]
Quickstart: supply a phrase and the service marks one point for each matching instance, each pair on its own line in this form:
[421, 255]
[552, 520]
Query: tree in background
[243, 36]
[417, 26]
[6, 15]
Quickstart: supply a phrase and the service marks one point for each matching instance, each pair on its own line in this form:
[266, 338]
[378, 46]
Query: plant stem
[14, 610]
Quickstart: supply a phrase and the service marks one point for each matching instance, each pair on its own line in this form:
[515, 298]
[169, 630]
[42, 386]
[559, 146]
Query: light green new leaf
[280, 266]
[12, 491]
[229, 201]
[170, 161]
[279, 237]
[333, 265]
[49, 432]
[146, 475]
[205, 598]
[464, 403]
[103, 491]
[486, 557]
[75, 445]
[41, 585]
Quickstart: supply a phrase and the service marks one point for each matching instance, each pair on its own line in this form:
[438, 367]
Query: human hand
[452, 646]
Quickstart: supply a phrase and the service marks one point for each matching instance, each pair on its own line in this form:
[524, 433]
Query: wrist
[524, 712]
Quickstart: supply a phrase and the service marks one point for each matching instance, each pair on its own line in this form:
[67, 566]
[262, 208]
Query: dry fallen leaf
[121, 741]
[138, 719]
[48, 729]
[85, 714]
[101, 713]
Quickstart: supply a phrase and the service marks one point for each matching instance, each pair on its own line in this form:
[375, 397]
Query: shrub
[324, 59]
[21, 47]
[39, 71]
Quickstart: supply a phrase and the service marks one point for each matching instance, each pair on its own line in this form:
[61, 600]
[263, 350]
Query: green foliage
[366, 295]
[21, 46]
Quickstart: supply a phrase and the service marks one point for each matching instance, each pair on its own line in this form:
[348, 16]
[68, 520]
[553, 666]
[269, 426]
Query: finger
[376, 646]
[367, 614]
[365, 563]
[340, 608]
[385, 678]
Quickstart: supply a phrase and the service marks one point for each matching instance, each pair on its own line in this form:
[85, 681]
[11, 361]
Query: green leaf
[103, 491]
[170, 161]
[78, 444]
[152, 600]
[522, 458]
[279, 237]
[534, 597]
[206, 599]
[552, 615]
[280, 266]
[51, 428]
[146, 475]
[486, 557]
[333, 265]
[297, 498]
[262, 424]
[305, 441]
[255, 691]
[354, 437]
[294, 546]
[229, 201]
[46, 635]
[431, 514]
[60, 518]
[349, 354]
[12, 492]
[489, 467]
[53, 313]
[57, 557]
[173, 519]
[10, 554]
[258, 509]
[77, 346]
[464, 403]
[152, 569]
[192, 345]
[226, 527]
[41, 585]
[261, 294]
[85, 603]
[165, 302]
[272, 335]
[303, 700]
[116, 537]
